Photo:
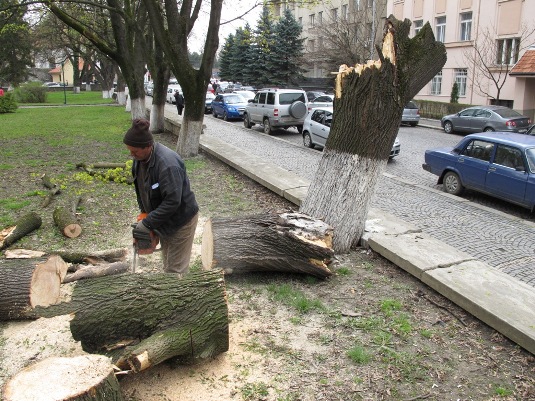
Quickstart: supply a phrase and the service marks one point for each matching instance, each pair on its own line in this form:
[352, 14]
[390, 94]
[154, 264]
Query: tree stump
[81, 378]
[141, 320]
[66, 223]
[28, 283]
[25, 225]
[287, 242]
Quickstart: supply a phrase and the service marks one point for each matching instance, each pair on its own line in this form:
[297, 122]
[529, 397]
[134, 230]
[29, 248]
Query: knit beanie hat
[138, 135]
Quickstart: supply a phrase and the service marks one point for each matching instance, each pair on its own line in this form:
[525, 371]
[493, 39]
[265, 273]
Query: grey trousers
[176, 249]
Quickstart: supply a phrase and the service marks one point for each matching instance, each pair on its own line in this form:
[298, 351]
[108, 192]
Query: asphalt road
[494, 231]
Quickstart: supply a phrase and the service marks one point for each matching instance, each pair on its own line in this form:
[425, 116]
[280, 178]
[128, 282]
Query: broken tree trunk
[286, 242]
[66, 223]
[53, 189]
[28, 283]
[141, 320]
[367, 112]
[80, 378]
[25, 225]
[100, 270]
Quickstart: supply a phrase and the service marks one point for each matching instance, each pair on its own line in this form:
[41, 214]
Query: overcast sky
[231, 9]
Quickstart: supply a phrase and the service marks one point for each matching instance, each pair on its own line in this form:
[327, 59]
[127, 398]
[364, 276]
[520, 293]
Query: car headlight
[396, 142]
[232, 109]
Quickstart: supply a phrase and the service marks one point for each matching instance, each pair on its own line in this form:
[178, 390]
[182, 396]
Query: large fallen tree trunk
[81, 378]
[91, 257]
[287, 242]
[24, 225]
[141, 320]
[28, 283]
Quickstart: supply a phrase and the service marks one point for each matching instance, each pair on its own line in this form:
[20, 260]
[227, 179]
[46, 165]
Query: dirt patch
[371, 332]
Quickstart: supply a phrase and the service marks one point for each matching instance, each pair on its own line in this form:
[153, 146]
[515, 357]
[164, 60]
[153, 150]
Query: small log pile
[81, 378]
[286, 242]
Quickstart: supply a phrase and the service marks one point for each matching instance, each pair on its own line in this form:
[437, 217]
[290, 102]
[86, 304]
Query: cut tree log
[28, 283]
[100, 270]
[24, 225]
[141, 320]
[53, 189]
[77, 257]
[80, 378]
[66, 223]
[287, 242]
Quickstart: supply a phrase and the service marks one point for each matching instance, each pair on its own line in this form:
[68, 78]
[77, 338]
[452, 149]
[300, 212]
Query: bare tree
[369, 100]
[492, 59]
[346, 39]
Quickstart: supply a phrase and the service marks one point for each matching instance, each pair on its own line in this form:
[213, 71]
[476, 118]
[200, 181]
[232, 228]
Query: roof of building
[526, 64]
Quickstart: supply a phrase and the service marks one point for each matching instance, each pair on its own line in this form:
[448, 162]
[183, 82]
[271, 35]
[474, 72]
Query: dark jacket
[172, 203]
[179, 99]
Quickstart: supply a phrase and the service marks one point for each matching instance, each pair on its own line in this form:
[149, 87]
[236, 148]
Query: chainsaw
[144, 242]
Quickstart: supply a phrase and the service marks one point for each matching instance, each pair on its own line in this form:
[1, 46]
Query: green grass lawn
[58, 97]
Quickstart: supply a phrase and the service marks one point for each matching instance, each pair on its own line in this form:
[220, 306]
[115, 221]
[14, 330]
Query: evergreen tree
[454, 96]
[238, 59]
[287, 51]
[225, 72]
[261, 52]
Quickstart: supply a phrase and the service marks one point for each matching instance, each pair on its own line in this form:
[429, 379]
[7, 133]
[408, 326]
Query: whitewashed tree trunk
[157, 113]
[189, 138]
[136, 107]
[368, 104]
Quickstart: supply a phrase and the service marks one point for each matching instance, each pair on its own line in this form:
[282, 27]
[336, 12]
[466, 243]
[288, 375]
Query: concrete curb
[495, 298]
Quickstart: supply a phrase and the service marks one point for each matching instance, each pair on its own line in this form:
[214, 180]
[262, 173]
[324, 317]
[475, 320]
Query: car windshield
[289, 98]
[235, 99]
[530, 154]
[507, 113]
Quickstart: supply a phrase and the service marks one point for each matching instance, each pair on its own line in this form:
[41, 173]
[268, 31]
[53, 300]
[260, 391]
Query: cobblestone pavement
[495, 232]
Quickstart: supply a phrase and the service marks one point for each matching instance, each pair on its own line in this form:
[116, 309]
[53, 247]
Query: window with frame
[436, 84]
[300, 21]
[357, 5]
[418, 24]
[344, 12]
[440, 29]
[507, 52]
[334, 14]
[369, 3]
[311, 45]
[461, 75]
[320, 43]
[320, 17]
[466, 26]
[270, 98]
[311, 19]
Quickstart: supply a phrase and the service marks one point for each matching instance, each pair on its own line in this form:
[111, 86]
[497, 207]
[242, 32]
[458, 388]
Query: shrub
[8, 103]
[454, 96]
[31, 92]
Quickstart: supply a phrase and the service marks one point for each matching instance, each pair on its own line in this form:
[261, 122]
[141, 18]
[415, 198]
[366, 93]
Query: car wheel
[307, 140]
[488, 129]
[448, 127]
[246, 122]
[214, 113]
[452, 183]
[267, 127]
[225, 116]
[300, 129]
[298, 109]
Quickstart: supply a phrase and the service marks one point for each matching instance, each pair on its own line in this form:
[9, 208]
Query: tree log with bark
[53, 189]
[80, 378]
[141, 320]
[24, 225]
[66, 223]
[98, 270]
[286, 242]
[369, 101]
[91, 257]
[28, 283]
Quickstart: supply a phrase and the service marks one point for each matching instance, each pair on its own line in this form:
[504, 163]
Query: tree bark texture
[81, 378]
[53, 189]
[95, 257]
[141, 320]
[107, 269]
[66, 223]
[368, 104]
[24, 225]
[287, 242]
[28, 283]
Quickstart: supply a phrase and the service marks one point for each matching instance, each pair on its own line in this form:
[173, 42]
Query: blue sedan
[229, 105]
[499, 164]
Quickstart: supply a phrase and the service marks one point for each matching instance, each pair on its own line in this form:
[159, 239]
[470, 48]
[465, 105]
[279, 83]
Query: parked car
[311, 95]
[276, 108]
[317, 127]
[228, 105]
[411, 114]
[485, 119]
[245, 93]
[170, 96]
[149, 89]
[248, 88]
[208, 102]
[500, 164]
[321, 101]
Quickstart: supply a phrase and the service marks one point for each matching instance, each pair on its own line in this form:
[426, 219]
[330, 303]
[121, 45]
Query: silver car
[411, 114]
[485, 119]
[317, 127]
[321, 101]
